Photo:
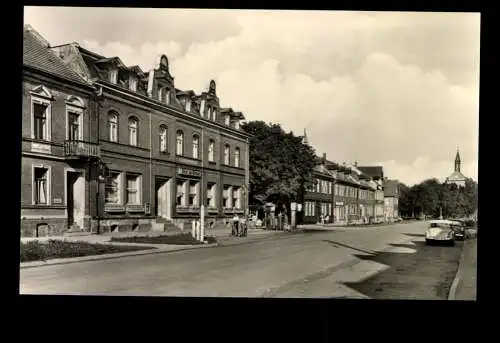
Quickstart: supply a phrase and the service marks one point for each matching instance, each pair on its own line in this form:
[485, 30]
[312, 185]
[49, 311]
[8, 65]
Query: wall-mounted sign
[188, 172]
[40, 147]
[339, 203]
[293, 206]
[56, 201]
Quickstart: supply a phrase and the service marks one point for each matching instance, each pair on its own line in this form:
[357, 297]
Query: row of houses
[350, 194]
[109, 147]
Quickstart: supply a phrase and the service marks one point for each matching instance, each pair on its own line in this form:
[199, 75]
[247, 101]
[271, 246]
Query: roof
[372, 171]
[391, 188]
[456, 176]
[38, 55]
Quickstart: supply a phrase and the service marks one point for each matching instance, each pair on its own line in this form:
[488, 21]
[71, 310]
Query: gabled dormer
[236, 119]
[226, 115]
[209, 103]
[110, 68]
[132, 77]
[188, 101]
[161, 83]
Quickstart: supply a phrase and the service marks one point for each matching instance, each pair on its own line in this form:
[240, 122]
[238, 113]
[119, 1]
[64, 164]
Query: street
[340, 262]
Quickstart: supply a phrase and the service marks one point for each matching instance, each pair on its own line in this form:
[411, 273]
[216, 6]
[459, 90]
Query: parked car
[440, 231]
[459, 228]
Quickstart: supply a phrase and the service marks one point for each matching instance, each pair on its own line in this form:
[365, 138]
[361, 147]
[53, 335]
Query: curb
[458, 276]
[70, 260]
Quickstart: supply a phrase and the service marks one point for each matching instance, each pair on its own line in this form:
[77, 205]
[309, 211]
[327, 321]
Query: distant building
[391, 199]
[376, 173]
[457, 177]
[318, 198]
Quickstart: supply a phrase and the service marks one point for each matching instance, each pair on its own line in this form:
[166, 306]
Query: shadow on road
[425, 273]
[338, 244]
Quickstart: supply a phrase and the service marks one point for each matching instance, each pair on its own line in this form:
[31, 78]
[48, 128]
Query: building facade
[318, 199]
[391, 199]
[163, 152]
[59, 147]
[376, 174]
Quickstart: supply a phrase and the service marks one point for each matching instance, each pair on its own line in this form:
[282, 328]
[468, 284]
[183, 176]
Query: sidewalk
[464, 285]
[222, 234]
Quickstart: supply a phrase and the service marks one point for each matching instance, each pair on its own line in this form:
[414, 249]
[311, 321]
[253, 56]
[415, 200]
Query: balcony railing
[81, 149]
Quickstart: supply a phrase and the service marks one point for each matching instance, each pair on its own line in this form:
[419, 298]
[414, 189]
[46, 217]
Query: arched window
[133, 124]
[196, 145]
[226, 154]
[167, 96]
[237, 157]
[163, 138]
[180, 143]
[113, 126]
[211, 148]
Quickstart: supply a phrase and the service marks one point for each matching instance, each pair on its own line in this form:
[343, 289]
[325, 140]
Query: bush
[181, 239]
[40, 251]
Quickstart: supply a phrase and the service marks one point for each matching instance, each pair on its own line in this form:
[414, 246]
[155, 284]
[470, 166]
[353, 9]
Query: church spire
[457, 161]
[304, 138]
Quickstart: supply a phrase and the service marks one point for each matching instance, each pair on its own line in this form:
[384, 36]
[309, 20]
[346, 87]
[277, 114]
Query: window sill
[114, 208]
[135, 208]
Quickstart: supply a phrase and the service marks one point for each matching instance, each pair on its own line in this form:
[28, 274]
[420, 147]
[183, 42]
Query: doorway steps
[75, 230]
[164, 225]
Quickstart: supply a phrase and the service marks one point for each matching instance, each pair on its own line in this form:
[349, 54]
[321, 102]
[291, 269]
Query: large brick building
[161, 152]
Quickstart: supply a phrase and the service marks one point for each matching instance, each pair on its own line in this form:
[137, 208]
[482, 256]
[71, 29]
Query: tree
[280, 164]
[429, 196]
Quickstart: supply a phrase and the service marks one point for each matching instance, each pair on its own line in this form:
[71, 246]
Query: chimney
[324, 158]
[355, 163]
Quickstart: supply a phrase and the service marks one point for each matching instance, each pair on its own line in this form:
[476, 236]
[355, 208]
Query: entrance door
[163, 206]
[75, 198]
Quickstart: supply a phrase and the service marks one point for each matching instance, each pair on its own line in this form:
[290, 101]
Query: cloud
[408, 100]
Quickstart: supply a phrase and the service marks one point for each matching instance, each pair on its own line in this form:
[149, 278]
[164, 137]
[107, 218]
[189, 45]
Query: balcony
[81, 149]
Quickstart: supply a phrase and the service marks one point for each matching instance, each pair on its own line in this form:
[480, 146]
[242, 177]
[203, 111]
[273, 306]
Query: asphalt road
[336, 263]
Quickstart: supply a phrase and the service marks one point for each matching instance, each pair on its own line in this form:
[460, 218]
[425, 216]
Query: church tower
[457, 162]
[304, 138]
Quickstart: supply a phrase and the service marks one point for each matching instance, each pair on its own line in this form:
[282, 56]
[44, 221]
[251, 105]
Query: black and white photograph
[183, 152]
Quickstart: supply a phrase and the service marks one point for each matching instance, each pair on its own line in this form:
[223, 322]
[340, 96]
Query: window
[193, 193]
[196, 143]
[112, 188]
[160, 93]
[202, 108]
[132, 131]
[113, 126]
[214, 114]
[41, 186]
[40, 125]
[226, 197]
[180, 143]
[237, 197]
[211, 148]
[237, 124]
[133, 84]
[73, 126]
[133, 190]
[227, 119]
[113, 76]
[180, 199]
[167, 97]
[211, 194]
[188, 105]
[163, 138]
[226, 154]
[237, 157]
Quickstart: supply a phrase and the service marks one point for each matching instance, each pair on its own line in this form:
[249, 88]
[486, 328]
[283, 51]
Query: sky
[397, 89]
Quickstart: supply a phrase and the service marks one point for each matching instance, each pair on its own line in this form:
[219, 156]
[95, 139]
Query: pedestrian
[234, 231]
[243, 226]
